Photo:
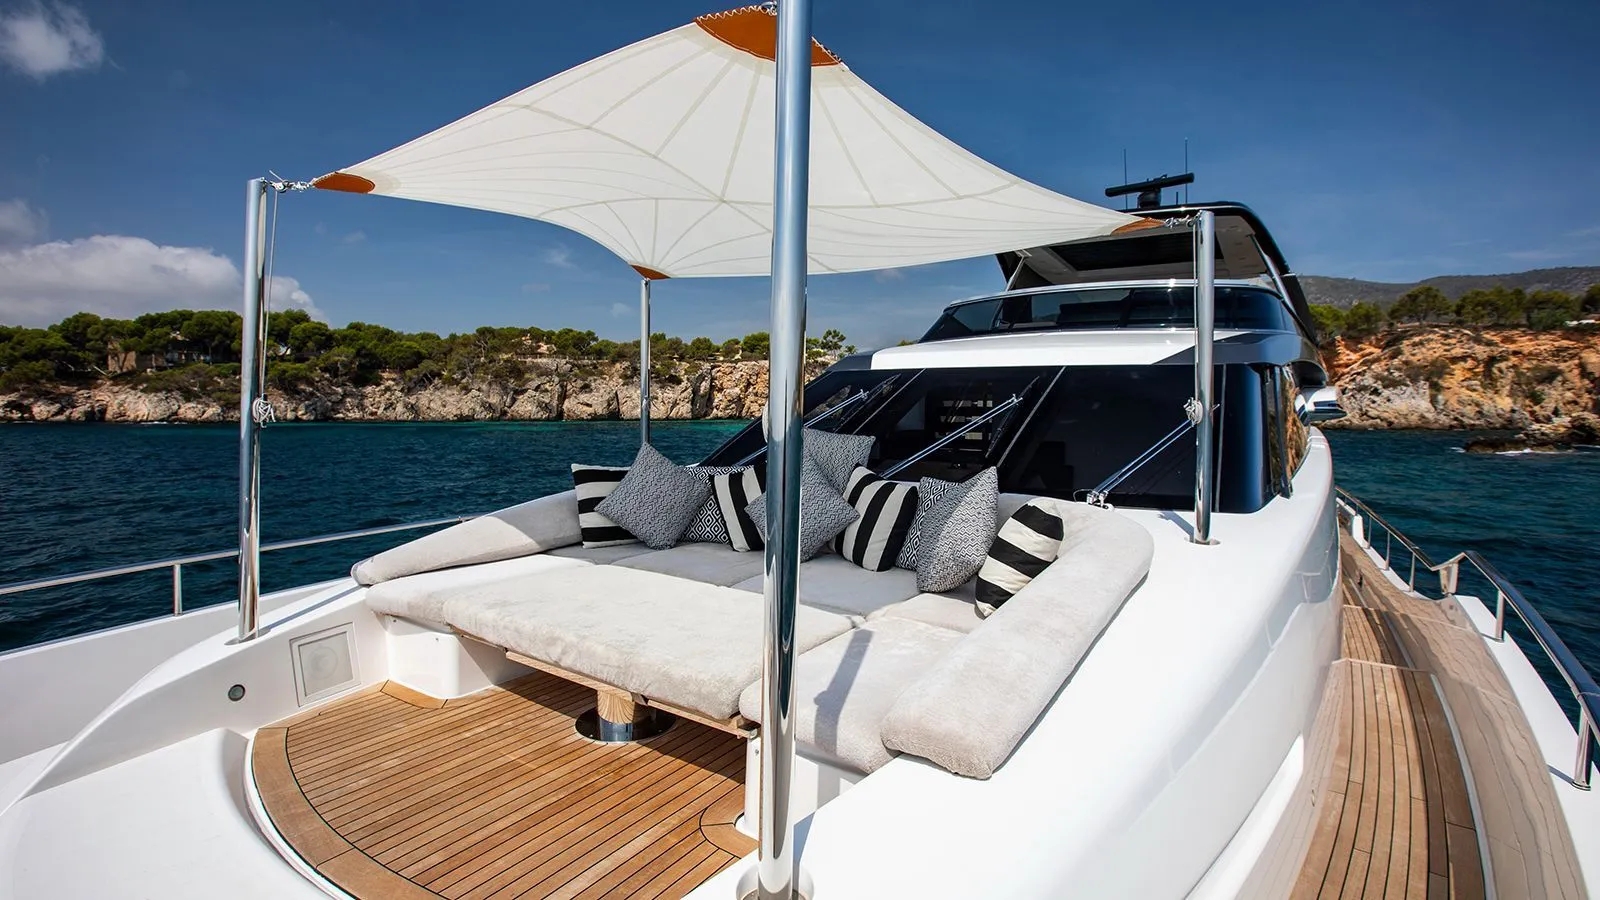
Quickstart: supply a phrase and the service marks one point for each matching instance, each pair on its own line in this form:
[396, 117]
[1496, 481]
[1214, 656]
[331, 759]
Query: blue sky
[1379, 140]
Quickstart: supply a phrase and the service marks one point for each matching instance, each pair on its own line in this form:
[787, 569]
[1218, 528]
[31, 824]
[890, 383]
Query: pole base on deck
[616, 726]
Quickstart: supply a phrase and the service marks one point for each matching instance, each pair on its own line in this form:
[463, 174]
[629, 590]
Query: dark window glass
[1104, 308]
[1073, 428]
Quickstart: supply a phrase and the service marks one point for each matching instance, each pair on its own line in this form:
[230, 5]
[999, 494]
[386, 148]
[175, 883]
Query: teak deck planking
[1397, 819]
[390, 793]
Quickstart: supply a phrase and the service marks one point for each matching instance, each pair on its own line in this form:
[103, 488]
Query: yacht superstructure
[1217, 687]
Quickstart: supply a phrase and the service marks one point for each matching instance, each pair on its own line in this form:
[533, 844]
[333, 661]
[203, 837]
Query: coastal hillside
[1445, 376]
[1346, 292]
[543, 390]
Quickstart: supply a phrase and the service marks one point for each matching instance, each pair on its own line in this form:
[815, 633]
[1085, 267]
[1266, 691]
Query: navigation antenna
[1150, 191]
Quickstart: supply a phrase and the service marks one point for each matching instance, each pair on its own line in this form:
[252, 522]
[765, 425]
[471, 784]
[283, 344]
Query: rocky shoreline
[1539, 385]
[556, 390]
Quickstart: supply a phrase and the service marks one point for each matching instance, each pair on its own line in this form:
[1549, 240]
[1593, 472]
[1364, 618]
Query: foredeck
[1433, 763]
[392, 794]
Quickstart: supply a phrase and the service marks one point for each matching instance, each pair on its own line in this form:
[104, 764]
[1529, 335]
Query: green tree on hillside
[1496, 306]
[1546, 309]
[1591, 299]
[1363, 319]
[1328, 320]
[755, 345]
[1423, 303]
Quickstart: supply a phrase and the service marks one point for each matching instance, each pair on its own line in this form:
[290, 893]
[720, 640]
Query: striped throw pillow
[732, 493]
[1028, 542]
[592, 485]
[887, 509]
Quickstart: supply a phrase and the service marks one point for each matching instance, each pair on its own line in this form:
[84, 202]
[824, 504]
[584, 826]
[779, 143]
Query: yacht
[1227, 678]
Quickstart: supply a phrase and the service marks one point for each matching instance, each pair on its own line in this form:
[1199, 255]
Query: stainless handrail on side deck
[177, 563]
[1584, 689]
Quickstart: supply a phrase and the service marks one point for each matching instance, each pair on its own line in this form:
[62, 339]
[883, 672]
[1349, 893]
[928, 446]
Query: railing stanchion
[1411, 582]
[1586, 729]
[1388, 546]
[1499, 614]
[177, 589]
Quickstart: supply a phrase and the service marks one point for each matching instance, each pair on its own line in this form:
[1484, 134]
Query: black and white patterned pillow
[887, 509]
[593, 484]
[930, 491]
[708, 525]
[963, 528]
[732, 493]
[823, 510]
[1028, 542]
[656, 500]
[836, 454]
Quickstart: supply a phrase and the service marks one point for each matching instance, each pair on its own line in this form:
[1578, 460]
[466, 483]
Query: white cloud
[21, 223]
[559, 256]
[618, 310]
[40, 40]
[354, 237]
[285, 293]
[122, 276]
[885, 276]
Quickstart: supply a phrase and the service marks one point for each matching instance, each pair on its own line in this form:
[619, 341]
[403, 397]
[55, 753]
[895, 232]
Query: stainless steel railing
[177, 563]
[1584, 689]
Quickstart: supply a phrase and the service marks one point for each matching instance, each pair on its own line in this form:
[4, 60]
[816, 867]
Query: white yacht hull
[1180, 739]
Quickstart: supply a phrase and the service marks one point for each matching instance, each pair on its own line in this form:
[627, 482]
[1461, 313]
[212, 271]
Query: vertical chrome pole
[776, 863]
[644, 361]
[251, 364]
[1205, 272]
[1580, 770]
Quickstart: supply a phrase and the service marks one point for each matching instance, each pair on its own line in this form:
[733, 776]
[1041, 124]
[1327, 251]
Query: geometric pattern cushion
[656, 500]
[593, 484]
[708, 525]
[838, 455]
[887, 509]
[1028, 542]
[823, 510]
[963, 528]
[930, 491]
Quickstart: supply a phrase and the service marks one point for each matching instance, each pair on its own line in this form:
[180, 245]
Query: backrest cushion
[656, 500]
[1027, 543]
[955, 524]
[838, 455]
[732, 493]
[823, 510]
[592, 485]
[887, 509]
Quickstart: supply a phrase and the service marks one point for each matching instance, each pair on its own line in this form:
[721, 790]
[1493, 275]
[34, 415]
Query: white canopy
[663, 153]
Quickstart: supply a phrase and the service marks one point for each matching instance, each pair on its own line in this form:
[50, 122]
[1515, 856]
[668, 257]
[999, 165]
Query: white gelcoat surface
[1121, 347]
[187, 694]
[168, 825]
[87, 672]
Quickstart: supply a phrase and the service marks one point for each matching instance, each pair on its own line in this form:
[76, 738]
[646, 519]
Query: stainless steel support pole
[776, 862]
[644, 361]
[1205, 276]
[1499, 614]
[1580, 772]
[251, 365]
[177, 589]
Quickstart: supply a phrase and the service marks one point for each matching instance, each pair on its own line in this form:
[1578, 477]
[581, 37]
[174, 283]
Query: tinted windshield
[1097, 308]
[1069, 429]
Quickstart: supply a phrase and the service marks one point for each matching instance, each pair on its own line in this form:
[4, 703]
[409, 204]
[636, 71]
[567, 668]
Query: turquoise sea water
[74, 498]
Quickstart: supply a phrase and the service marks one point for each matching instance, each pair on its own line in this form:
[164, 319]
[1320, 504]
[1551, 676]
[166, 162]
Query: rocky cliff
[554, 390]
[1452, 377]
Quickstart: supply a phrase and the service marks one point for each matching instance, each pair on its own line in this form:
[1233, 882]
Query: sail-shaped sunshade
[662, 151]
